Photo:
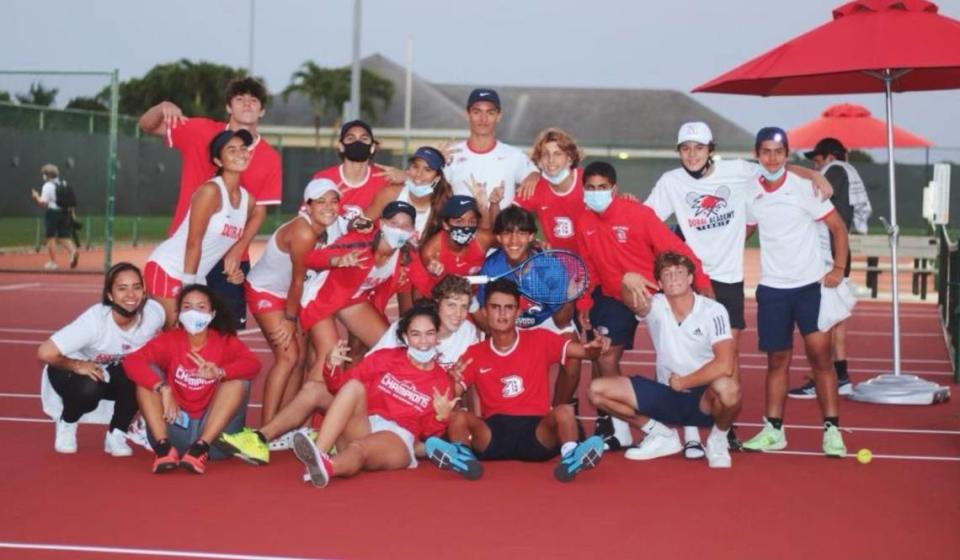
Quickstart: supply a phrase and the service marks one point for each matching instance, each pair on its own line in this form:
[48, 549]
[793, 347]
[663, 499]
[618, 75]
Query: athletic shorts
[232, 294]
[57, 224]
[779, 309]
[669, 406]
[730, 296]
[380, 424]
[159, 283]
[515, 438]
[611, 313]
[263, 302]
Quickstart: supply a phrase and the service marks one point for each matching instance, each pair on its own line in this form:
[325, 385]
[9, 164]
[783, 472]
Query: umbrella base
[899, 389]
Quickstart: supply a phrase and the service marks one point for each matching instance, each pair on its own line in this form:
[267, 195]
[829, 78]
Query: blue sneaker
[454, 457]
[585, 456]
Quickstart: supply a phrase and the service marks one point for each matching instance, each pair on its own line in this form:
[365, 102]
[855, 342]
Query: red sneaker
[195, 459]
[166, 463]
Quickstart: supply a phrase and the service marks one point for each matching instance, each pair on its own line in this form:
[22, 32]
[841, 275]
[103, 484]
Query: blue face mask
[395, 237]
[598, 201]
[421, 356]
[774, 176]
[419, 191]
[559, 177]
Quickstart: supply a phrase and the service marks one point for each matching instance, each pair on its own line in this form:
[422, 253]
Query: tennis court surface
[796, 504]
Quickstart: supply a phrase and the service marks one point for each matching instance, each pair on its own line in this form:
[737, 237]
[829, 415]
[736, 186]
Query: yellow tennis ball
[864, 456]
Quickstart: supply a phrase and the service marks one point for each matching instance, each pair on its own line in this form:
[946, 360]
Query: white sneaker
[282, 443]
[116, 444]
[66, 440]
[718, 450]
[658, 443]
[50, 265]
[137, 434]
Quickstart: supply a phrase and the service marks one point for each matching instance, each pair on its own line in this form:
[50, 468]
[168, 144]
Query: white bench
[923, 251]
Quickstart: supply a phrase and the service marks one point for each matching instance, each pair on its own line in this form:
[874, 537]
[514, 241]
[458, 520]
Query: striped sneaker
[454, 457]
[585, 456]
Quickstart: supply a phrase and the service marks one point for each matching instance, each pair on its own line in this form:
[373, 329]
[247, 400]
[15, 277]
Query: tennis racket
[550, 277]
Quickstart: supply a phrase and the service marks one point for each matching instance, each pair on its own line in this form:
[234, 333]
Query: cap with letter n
[484, 94]
[697, 132]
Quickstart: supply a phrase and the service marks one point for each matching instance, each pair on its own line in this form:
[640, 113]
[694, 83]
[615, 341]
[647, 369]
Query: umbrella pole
[896, 388]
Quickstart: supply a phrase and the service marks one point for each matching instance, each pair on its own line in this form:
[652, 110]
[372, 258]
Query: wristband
[189, 279]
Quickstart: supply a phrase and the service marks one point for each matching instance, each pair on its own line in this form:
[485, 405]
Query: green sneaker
[245, 445]
[833, 442]
[769, 439]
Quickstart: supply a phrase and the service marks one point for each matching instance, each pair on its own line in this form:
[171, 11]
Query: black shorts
[232, 294]
[57, 224]
[669, 406]
[611, 313]
[730, 296]
[515, 438]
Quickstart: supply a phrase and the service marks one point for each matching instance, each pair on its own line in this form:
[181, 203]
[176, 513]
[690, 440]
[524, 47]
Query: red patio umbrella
[854, 127]
[869, 46]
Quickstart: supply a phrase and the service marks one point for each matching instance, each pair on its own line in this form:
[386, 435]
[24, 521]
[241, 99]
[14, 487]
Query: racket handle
[478, 279]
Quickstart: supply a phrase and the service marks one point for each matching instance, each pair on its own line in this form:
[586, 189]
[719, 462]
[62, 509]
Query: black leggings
[81, 395]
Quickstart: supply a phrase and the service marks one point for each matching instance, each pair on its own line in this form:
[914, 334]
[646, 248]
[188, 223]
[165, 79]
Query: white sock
[691, 433]
[567, 448]
[718, 432]
[650, 426]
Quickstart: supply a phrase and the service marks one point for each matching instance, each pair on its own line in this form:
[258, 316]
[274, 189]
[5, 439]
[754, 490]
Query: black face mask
[357, 151]
[126, 313]
[698, 174]
[461, 235]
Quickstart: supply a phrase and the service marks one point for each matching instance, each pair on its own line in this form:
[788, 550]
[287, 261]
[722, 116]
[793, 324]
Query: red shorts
[263, 302]
[159, 283]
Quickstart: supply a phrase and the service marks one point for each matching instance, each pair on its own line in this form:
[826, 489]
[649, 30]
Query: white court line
[31, 331]
[145, 551]
[849, 358]
[13, 341]
[764, 367]
[874, 455]
[9, 287]
[37, 396]
[861, 429]
[32, 420]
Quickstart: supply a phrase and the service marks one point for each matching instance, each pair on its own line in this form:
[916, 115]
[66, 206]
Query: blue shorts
[233, 294]
[779, 309]
[611, 313]
[663, 404]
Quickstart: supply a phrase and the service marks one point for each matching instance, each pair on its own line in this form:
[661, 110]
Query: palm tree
[329, 88]
[38, 95]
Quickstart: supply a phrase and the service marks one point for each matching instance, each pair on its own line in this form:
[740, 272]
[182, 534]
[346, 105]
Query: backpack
[66, 198]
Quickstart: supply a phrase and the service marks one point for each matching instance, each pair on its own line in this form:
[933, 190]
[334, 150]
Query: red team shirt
[515, 383]
[170, 352]
[398, 390]
[627, 237]
[558, 213]
[262, 179]
[463, 264]
[340, 288]
[354, 200]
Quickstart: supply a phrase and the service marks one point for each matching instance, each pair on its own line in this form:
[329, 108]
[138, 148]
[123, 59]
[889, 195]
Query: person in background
[58, 222]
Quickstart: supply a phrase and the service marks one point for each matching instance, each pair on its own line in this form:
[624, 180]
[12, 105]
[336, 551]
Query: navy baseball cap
[220, 140]
[458, 205]
[350, 124]
[396, 207]
[774, 133]
[484, 94]
[431, 156]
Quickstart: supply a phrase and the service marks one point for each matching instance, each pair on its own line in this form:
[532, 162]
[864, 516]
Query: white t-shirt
[449, 349]
[685, 347]
[788, 222]
[502, 164]
[95, 336]
[48, 194]
[711, 212]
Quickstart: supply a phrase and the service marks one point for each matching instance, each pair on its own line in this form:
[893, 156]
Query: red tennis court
[789, 505]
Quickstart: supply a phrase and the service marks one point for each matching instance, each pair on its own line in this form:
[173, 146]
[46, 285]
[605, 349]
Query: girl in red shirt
[384, 405]
[202, 386]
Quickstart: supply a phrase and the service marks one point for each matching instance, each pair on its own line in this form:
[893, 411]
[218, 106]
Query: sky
[567, 43]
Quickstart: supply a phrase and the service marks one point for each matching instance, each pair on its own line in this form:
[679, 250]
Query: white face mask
[395, 237]
[419, 191]
[598, 201]
[195, 321]
[559, 177]
[421, 356]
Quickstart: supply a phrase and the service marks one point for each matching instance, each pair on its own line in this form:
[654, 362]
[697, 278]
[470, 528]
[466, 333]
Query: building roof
[596, 117]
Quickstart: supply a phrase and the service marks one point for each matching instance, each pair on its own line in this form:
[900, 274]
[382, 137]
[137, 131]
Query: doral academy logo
[710, 210]
[512, 386]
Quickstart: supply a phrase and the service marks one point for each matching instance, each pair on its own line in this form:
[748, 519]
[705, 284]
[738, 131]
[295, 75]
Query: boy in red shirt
[245, 100]
[510, 375]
